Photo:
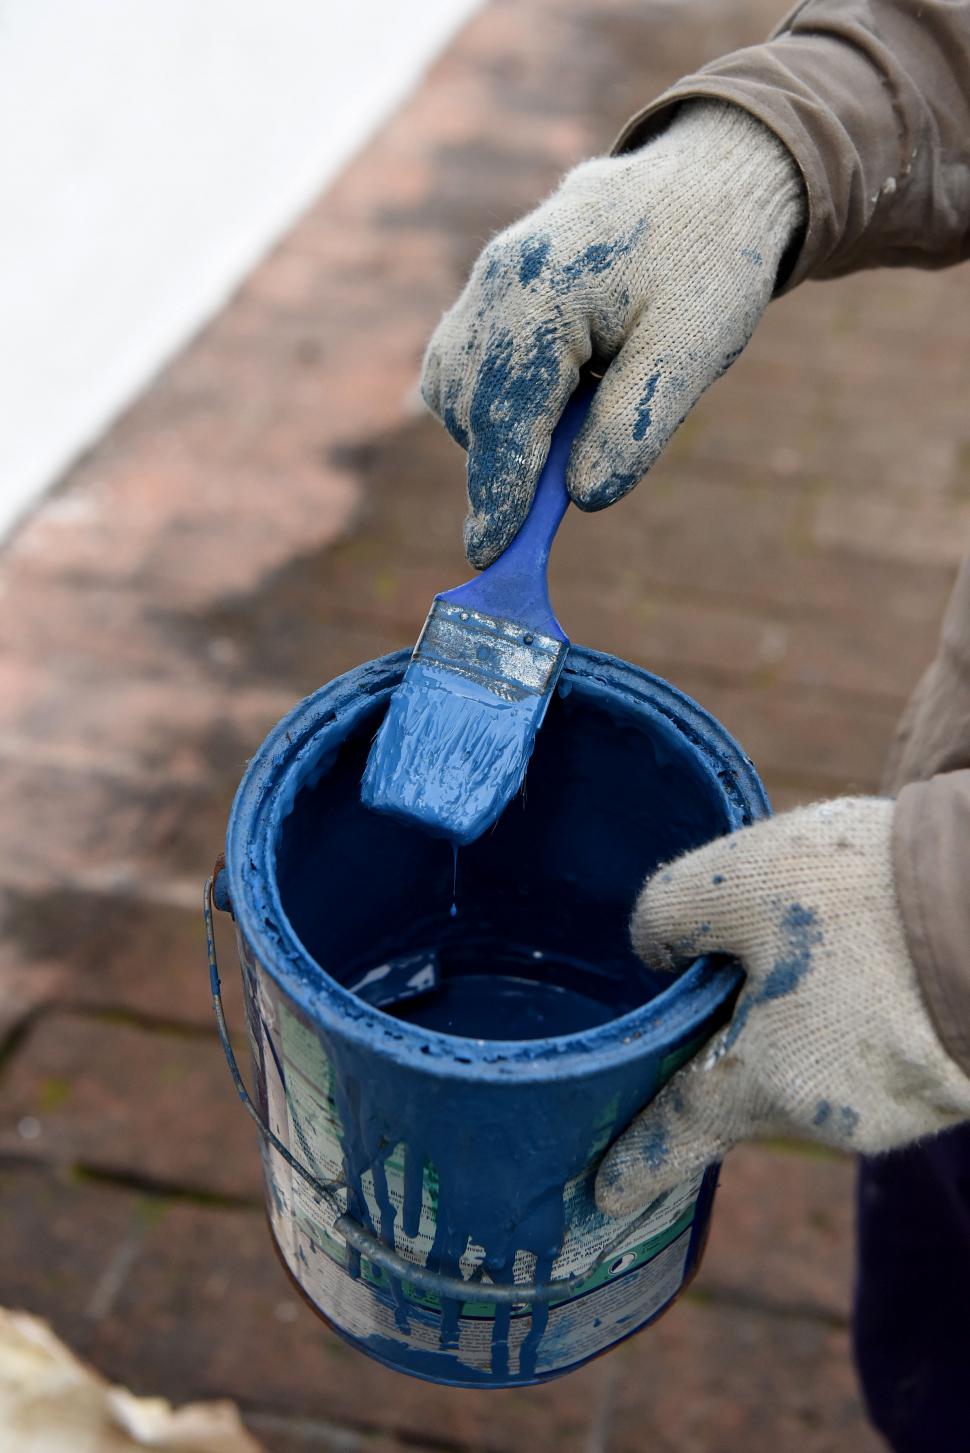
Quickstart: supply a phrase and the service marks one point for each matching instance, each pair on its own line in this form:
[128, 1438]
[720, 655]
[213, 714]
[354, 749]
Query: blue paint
[516, 586]
[627, 773]
[494, 990]
[848, 1120]
[823, 1113]
[655, 1147]
[613, 488]
[533, 256]
[726, 362]
[843, 1118]
[450, 753]
[453, 749]
[643, 419]
[800, 936]
[600, 257]
[513, 391]
[399, 980]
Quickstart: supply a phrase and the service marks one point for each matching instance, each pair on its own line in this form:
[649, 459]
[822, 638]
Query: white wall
[150, 152]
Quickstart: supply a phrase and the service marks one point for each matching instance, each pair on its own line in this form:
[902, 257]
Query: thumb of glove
[696, 905]
[689, 1125]
[699, 904]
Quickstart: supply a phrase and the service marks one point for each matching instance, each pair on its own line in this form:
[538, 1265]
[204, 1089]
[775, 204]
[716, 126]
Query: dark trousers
[912, 1303]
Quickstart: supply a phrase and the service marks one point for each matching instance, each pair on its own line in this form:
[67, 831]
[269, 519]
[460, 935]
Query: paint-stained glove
[830, 1038]
[662, 261]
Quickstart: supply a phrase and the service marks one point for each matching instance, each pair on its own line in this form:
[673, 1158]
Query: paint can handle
[377, 1252]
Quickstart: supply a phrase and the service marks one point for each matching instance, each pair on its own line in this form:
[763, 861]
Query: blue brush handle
[515, 586]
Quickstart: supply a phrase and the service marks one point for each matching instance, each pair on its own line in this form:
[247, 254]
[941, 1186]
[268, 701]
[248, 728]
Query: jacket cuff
[931, 862]
[828, 102]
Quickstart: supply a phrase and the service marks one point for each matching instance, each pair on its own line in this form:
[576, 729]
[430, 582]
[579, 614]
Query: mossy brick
[71, 947]
[782, 1236]
[150, 1105]
[731, 1378]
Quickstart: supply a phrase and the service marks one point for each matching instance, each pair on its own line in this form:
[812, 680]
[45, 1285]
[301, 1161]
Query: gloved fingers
[703, 902]
[693, 1121]
[498, 372]
[672, 355]
[454, 353]
[519, 391]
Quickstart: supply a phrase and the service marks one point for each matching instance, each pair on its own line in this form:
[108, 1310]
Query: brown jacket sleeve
[929, 768]
[931, 852]
[872, 98]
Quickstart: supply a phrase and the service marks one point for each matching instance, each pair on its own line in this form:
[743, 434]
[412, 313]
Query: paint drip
[492, 1217]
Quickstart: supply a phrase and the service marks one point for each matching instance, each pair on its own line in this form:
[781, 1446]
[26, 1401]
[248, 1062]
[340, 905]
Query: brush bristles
[451, 752]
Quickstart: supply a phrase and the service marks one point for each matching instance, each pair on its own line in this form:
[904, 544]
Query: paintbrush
[456, 740]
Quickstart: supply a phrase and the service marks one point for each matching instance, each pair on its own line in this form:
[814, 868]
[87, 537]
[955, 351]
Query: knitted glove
[829, 1039]
[661, 261]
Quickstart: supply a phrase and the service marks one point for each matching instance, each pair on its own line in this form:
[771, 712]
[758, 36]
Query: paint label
[643, 1268]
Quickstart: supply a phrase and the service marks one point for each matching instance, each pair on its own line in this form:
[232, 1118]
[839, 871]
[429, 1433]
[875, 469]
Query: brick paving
[276, 508]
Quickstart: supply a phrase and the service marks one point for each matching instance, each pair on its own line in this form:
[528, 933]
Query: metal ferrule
[497, 654]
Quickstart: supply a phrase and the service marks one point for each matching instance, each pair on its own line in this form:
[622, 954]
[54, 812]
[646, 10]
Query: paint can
[442, 1052]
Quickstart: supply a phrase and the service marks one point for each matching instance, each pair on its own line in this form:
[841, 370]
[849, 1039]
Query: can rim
[315, 727]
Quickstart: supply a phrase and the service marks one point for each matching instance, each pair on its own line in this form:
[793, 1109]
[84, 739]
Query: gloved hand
[661, 261]
[829, 1038]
